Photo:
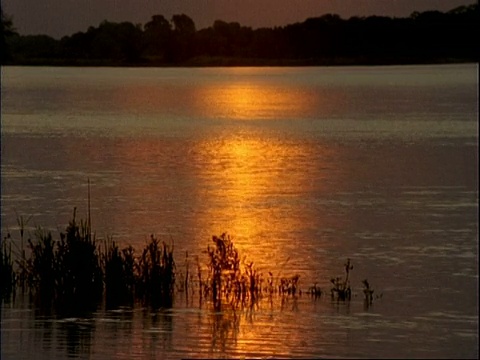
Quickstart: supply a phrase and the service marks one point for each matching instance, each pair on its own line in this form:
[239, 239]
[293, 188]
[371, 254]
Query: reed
[67, 273]
[80, 276]
[74, 273]
[228, 281]
[289, 285]
[21, 260]
[156, 274]
[368, 292]
[224, 278]
[42, 266]
[7, 273]
[119, 271]
[341, 287]
[185, 281]
[315, 291]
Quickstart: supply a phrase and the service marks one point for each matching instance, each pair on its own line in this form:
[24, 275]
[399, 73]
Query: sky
[58, 18]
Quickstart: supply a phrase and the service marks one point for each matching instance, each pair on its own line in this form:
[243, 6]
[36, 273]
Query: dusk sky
[65, 17]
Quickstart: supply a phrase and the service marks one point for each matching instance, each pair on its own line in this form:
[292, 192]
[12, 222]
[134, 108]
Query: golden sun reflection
[258, 187]
[246, 101]
[253, 180]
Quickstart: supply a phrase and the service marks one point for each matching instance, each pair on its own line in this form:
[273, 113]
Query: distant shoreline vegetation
[423, 38]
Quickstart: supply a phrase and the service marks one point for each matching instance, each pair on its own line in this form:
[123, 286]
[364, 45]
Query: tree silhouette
[6, 31]
[157, 36]
[113, 42]
[426, 37]
[182, 45]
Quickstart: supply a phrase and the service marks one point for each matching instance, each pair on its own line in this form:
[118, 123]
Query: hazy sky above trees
[65, 17]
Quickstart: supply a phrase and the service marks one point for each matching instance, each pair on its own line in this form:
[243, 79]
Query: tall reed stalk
[42, 266]
[341, 287]
[7, 273]
[156, 274]
[119, 270]
[22, 223]
[226, 280]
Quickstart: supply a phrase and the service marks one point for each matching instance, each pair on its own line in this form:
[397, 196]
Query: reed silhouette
[341, 287]
[119, 274]
[7, 273]
[156, 274]
[75, 274]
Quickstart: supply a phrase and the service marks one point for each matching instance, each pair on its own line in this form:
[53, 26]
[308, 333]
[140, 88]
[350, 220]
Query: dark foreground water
[304, 167]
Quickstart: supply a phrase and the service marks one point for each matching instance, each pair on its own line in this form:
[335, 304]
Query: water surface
[304, 167]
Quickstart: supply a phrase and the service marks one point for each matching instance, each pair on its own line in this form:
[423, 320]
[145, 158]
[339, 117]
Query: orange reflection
[244, 101]
[238, 94]
[254, 181]
[267, 330]
[246, 182]
[260, 188]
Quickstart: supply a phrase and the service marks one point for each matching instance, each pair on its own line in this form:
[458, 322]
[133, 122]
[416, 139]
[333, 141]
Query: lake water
[304, 167]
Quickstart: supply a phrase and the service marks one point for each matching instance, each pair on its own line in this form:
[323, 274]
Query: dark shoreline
[430, 37]
[205, 62]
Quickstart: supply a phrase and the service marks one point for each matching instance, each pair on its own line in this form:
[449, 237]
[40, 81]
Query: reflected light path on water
[253, 101]
[252, 183]
[248, 184]
[237, 177]
[194, 331]
[303, 167]
[243, 96]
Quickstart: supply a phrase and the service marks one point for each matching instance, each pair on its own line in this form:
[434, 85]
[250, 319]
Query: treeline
[426, 37]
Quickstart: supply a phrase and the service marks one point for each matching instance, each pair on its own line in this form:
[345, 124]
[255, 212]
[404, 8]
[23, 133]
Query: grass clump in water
[80, 273]
[226, 281]
[367, 292]
[289, 285]
[74, 273]
[341, 287]
[156, 274]
[315, 291]
[236, 282]
[65, 273]
[43, 268]
[224, 276]
[119, 274]
[7, 273]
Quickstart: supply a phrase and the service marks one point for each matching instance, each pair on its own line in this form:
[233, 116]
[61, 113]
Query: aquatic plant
[270, 288]
[314, 291]
[341, 287]
[368, 292]
[119, 274]
[225, 280]
[156, 274]
[254, 281]
[74, 273]
[22, 222]
[288, 285]
[7, 273]
[67, 273]
[80, 276]
[42, 266]
[223, 265]
[185, 279]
